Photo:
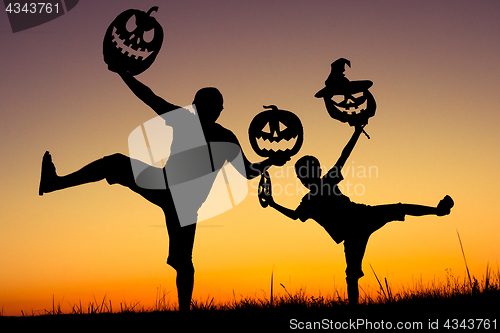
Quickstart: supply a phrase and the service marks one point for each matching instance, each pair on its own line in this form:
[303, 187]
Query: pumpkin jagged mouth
[127, 50]
[283, 144]
[357, 108]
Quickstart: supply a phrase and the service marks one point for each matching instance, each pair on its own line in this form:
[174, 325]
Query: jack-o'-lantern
[132, 41]
[275, 131]
[348, 96]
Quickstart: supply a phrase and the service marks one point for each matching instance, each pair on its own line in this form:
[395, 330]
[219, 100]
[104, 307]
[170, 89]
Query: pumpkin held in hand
[276, 131]
[352, 101]
[132, 41]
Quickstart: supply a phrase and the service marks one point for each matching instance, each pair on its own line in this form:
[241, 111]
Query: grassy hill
[467, 304]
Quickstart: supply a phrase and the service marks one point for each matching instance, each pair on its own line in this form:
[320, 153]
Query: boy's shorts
[366, 220]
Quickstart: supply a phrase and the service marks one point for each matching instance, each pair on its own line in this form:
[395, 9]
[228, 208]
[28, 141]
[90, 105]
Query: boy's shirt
[328, 206]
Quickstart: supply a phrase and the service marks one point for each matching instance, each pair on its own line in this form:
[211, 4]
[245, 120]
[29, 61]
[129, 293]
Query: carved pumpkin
[353, 96]
[132, 41]
[276, 132]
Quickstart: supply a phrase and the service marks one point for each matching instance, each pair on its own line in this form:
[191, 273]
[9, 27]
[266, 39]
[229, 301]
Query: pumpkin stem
[155, 8]
[273, 107]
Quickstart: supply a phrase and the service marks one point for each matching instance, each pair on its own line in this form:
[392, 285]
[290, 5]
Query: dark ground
[288, 317]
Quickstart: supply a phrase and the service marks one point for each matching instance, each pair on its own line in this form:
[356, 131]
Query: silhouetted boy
[343, 219]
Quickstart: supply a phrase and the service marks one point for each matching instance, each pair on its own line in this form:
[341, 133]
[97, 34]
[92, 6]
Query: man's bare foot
[445, 205]
[48, 177]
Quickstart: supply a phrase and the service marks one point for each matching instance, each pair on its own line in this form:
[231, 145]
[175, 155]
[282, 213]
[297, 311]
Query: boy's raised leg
[443, 208]
[445, 205]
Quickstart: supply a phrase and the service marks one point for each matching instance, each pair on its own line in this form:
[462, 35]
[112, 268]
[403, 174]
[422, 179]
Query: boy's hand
[359, 128]
[265, 190]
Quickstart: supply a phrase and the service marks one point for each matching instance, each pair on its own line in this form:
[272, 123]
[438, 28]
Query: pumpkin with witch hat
[352, 101]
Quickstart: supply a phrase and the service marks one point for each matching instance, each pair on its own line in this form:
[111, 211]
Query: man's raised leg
[95, 171]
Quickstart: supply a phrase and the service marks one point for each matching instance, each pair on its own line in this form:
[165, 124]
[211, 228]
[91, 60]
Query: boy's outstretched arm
[267, 197]
[283, 210]
[346, 152]
[145, 94]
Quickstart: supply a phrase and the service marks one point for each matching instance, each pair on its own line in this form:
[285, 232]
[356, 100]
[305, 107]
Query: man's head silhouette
[209, 104]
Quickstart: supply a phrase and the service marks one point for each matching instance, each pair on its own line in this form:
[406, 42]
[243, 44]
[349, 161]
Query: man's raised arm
[145, 94]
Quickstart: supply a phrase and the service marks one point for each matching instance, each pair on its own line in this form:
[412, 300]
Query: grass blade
[380, 284]
[272, 296]
[466, 266]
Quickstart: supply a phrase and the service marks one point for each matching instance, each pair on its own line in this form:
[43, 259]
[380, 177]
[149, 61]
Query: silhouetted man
[117, 169]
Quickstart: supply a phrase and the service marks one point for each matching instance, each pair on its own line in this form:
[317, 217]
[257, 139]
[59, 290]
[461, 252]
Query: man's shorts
[181, 239]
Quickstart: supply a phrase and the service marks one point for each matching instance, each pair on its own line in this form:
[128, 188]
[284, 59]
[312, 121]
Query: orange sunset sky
[436, 73]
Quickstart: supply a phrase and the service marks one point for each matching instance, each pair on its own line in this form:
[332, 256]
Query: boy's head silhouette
[209, 104]
[308, 170]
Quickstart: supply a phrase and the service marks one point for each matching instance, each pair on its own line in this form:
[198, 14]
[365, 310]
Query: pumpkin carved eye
[131, 25]
[281, 128]
[337, 98]
[148, 35]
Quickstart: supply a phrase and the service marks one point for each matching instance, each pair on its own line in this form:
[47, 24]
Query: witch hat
[338, 84]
